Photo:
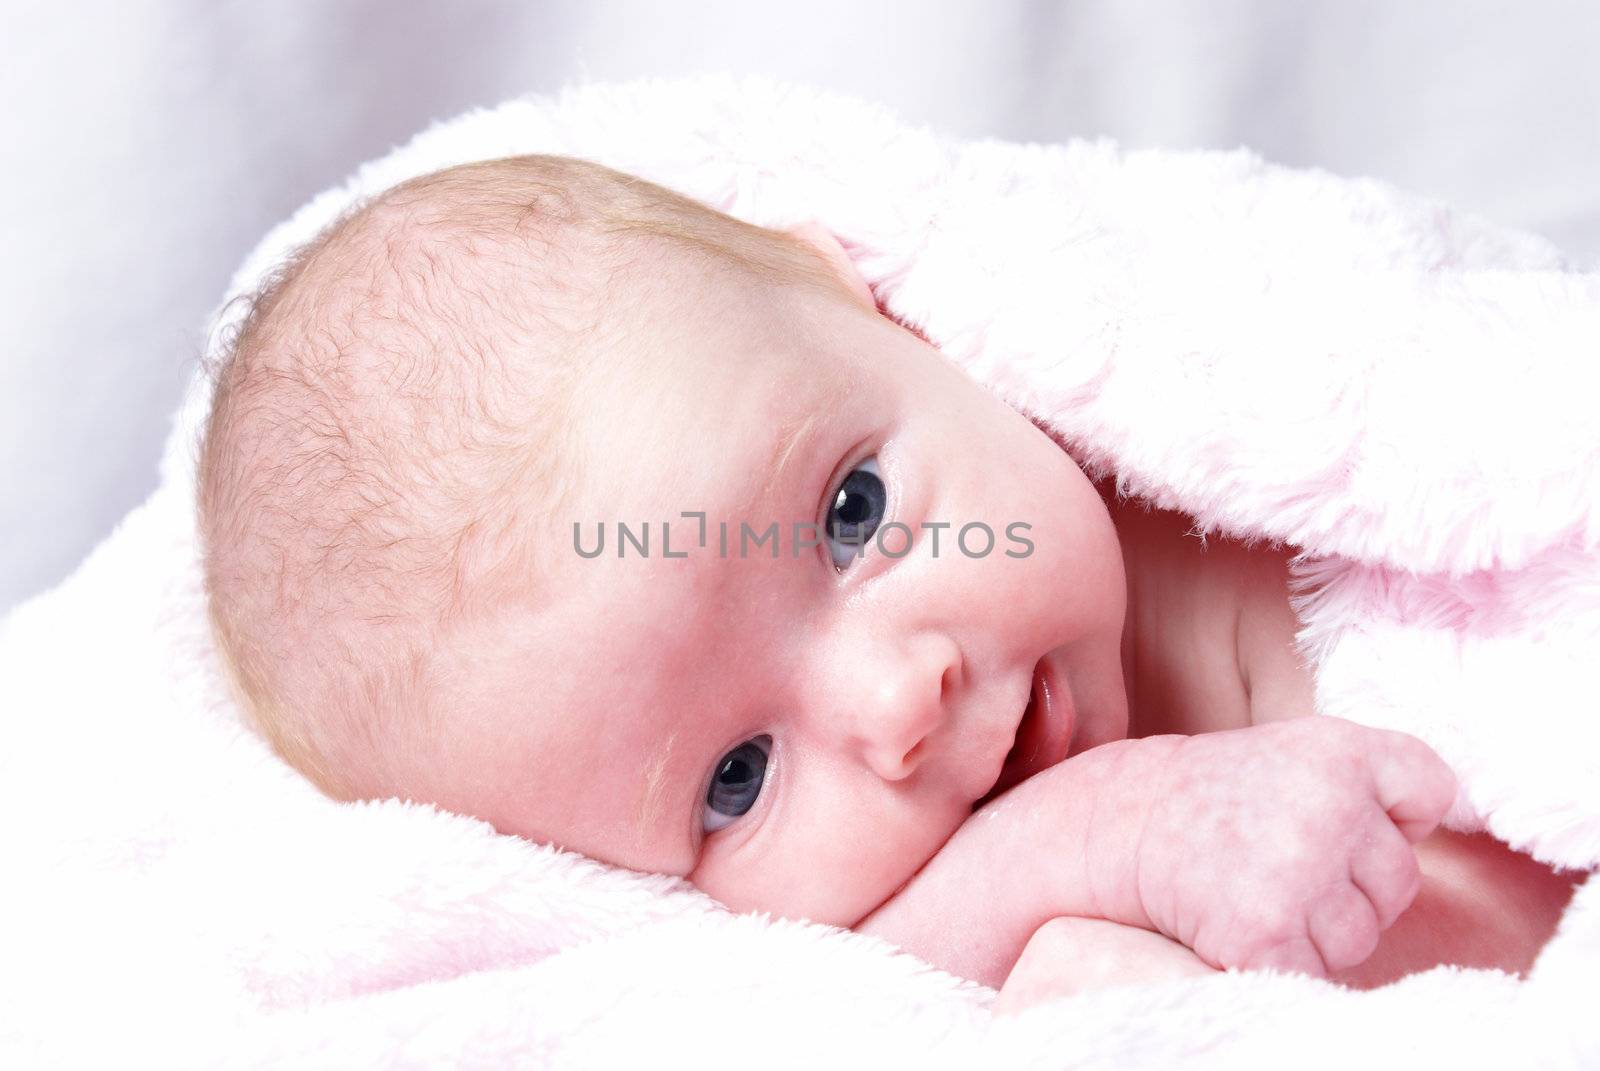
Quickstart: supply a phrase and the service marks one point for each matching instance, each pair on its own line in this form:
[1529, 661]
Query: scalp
[393, 431]
[393, 408]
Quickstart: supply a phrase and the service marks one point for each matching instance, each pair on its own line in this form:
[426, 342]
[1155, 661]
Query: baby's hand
[1286, 845]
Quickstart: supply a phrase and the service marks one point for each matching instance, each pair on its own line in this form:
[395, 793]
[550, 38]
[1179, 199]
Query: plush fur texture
[1403, 393]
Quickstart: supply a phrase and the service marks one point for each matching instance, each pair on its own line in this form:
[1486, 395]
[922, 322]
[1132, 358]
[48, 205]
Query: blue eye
[855, 513]
[737, 783]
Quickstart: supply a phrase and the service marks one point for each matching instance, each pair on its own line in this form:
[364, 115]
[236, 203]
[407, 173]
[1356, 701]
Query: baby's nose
[906, 705]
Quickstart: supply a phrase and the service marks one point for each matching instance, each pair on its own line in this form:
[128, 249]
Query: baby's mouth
[1044, 734]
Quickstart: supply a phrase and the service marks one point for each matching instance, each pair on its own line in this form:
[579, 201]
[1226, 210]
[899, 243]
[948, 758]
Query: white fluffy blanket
[1406, 393]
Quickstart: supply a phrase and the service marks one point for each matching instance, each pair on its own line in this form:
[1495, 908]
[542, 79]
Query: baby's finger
[1385, 868]
[1413, 784]
[1297, 955]
[1344, 928]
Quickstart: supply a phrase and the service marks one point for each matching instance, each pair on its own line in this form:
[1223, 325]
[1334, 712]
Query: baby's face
[798, 733]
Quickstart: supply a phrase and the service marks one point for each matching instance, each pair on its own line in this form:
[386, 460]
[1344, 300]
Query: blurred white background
[150, 144]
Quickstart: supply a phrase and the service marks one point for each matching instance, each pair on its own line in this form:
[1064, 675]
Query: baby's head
[793, 689]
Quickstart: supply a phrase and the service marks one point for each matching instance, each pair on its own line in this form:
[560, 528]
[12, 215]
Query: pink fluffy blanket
[1404, 393]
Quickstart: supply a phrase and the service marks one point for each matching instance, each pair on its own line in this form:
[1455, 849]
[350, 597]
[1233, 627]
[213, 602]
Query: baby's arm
[1023, 860]
[1285, 845]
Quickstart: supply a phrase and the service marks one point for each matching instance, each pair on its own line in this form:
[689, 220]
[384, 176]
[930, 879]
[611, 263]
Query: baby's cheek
[827, 888]
[836, 879]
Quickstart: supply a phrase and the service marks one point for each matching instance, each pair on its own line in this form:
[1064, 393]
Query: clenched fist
[1286, 846]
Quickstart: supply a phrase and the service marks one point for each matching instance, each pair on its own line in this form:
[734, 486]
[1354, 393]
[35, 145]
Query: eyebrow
[652, 800]
[794, 439]
[785, 449]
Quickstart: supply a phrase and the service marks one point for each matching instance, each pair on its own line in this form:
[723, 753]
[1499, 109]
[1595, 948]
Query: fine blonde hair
[392, 418]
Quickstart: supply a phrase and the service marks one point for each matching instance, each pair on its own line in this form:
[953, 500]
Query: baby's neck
[1180, 650]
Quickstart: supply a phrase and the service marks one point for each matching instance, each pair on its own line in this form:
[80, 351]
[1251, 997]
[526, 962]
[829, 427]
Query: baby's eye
[855, 513]
[737, 783]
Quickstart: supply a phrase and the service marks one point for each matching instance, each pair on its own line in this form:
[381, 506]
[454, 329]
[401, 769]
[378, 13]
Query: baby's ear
[822, 240]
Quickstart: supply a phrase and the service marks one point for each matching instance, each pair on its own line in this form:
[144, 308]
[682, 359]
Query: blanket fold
[1402, 393]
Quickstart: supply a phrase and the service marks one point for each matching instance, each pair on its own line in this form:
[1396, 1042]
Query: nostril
[897, 766]
[950, 679]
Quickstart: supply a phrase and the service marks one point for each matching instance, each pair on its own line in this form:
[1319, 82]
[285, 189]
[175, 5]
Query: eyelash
[858, 458]
[755, 750]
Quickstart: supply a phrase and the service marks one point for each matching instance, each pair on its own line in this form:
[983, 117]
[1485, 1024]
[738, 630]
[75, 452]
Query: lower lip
[1044, 737]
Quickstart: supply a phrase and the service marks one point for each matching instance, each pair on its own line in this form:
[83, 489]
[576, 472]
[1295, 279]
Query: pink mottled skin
[1286, 846]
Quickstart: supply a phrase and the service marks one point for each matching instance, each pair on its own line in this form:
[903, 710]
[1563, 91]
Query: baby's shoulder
[1214, 632]
[1278, 683]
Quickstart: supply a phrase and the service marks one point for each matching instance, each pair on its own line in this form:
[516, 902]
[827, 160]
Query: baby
[543, 494]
